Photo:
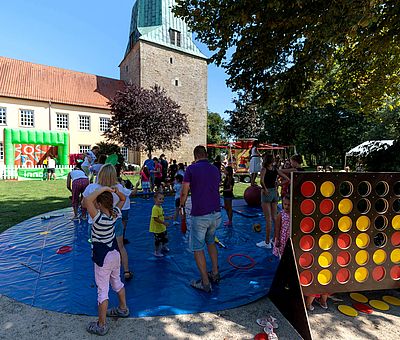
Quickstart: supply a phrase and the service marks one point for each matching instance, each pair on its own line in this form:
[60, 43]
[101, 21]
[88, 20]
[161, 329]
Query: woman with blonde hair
[107, 177]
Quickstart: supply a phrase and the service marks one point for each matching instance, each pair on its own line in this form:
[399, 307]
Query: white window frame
[3, 116]
[81, 117]
[102, 125]
[24, 121]
[1, 151]
[64, 119]
[175, 37]
[83, 148]
[124, 152]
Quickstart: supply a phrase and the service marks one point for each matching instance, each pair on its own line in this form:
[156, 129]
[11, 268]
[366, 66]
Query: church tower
[161, 51]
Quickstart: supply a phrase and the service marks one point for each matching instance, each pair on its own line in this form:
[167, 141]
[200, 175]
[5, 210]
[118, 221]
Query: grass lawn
[20, 200]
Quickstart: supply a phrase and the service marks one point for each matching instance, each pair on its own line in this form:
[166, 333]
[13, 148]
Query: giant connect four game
[346, 231]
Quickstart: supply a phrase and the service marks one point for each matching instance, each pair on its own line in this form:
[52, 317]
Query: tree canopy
[146, 119]
[283, 51]
[216, 128]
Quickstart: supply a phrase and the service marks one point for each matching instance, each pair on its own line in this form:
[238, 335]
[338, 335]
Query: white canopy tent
[367, 147]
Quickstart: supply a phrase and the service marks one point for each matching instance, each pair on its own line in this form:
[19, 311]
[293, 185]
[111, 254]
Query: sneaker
[94, 328]
[165, 249]
[198, 284]
[214, 278]
[158, 254]
[264, 244]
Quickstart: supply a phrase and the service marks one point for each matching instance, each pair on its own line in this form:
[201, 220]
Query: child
[177, 189]
[77, 181]
[321, 300]
[227, 193]
[145, 180]
[158, 226]
[105, 255]
[120, 229]
[282, 228]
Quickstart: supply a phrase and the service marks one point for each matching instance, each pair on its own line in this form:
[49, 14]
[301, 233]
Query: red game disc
[307, 207]
[362, 308]
[395, 239]
[343, 258]
[326, 206]
[326, 224]
[344, 241]
[378, 274]
[307, 225]
[343, 275]
[308, 189]
[306, 242]
[64, 249]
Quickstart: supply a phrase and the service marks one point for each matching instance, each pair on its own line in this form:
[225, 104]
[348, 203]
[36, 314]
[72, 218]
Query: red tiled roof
[24, 80]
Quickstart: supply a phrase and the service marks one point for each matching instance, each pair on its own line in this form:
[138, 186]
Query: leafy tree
[146, 119]
[109, 149]
[245, 121]
[282, 49]
[216, 128]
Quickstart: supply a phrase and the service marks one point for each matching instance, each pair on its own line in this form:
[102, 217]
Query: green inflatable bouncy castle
[14, 138]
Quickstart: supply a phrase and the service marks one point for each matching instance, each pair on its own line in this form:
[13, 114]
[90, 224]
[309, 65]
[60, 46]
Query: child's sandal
[128, 276]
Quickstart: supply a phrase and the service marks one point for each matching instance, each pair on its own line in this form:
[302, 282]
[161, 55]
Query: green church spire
[153, 21]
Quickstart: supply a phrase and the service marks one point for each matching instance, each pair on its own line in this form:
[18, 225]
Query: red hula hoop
[249, 266]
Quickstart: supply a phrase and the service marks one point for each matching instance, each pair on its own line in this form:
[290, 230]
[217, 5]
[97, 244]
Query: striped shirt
[103, 235]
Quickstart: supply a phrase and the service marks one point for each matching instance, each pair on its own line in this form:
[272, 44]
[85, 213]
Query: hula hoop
[249, 266]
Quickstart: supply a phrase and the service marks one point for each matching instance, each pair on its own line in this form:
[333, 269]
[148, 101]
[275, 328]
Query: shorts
[125, 215]
[118, 228]
[177, 202]
[271, 197]
[157, 181]
[160, 239]
[203, 229]
[51, 170]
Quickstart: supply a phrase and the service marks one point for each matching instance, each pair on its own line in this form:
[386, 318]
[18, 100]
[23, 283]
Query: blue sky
[83, 35]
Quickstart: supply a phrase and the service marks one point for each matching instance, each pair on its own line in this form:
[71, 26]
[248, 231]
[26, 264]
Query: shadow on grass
[13, 211]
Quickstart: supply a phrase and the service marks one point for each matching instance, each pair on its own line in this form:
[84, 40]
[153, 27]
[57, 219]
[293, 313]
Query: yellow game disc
[377, 304]
[379, 256]
[396, 222]
[362, 240]
[392, 300]
[363, 223]
[359, 297]
[327, 189]
[325, 259]
[345, 206]
[361, 274]
[362, 257]
[345, 223]
[347, 310]
[395, 256]
[324, 277]
[325, 242]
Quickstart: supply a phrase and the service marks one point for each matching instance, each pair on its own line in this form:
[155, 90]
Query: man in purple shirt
[202, 179]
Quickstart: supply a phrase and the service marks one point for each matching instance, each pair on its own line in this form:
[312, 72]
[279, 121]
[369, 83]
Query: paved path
[19, 322]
